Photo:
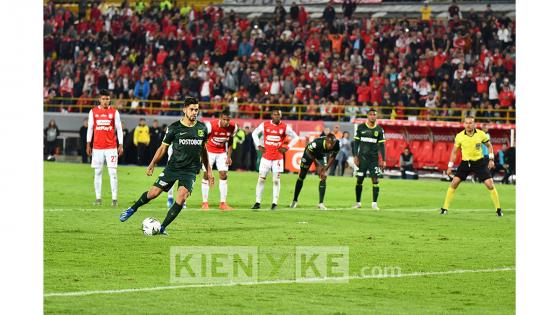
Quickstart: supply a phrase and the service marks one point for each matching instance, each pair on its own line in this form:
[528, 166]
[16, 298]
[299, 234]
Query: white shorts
[277, 166]
[220, 159]
[98, 156]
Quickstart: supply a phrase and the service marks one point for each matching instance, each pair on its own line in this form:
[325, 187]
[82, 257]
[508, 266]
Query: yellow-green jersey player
[369, 143]
[470, 142]
[188, 137]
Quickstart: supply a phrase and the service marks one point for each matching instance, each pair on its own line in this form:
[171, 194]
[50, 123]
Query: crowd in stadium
[339, 64]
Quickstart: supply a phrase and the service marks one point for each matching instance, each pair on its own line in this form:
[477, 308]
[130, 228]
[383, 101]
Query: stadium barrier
[334, 112]
[430, 141]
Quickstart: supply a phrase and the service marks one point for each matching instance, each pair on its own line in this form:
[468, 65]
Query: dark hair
[104, 92]
[276, 110]
[190, 100]
[371, 109]
[469, 116]
[331, 136]
[226, 112]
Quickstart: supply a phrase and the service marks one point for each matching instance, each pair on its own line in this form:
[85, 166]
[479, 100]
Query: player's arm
[333, 155]
[89, 134]
[160, 153]
[381, 145]
[356, 147]
[452, 159]
[229, 146]
[256, 140]
[118, 126]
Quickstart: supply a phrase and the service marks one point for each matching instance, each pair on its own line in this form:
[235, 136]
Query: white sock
[170, 193]
[114, 182]
[97, 179]
[260, 188]
[205, 188]
[275, 187]
[223, 190]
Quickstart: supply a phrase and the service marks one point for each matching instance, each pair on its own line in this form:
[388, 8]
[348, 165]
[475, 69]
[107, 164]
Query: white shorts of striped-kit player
[220, 159]
[98, 156]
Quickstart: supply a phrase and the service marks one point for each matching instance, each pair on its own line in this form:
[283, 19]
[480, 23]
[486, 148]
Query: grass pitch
[460, 263]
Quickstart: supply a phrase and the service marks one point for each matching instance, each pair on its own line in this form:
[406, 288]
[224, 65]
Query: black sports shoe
[499, 212]
[256, 206]
[274, 206]
[443, 211]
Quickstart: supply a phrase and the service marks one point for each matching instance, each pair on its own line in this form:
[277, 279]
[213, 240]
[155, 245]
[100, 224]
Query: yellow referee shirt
[471, 146]
[141, 135]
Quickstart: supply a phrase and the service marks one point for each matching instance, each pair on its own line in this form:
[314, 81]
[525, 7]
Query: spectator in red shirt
[363, 92]
[506, 97]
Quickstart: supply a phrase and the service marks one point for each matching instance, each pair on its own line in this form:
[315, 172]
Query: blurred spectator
[509, 164]
[51, 133]
[83, 141]
[336, 131]
[142, 141]
[156, 137]
[343, 155]
[406, 163]
[454, 10]
[426, 12]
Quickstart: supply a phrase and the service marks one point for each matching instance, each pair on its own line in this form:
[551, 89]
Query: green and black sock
[142, 201]
[322, 189]
[375, 192]
[299, 186]
[172, 214]
[359, 189]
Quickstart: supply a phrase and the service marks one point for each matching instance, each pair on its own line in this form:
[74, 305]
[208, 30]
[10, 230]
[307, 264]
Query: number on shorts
[113, 158]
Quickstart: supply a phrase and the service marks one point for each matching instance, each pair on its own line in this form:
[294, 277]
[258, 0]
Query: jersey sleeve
[255, 135]
[295, 138]
[89, 134]
[118, 126]
[169, 136]
[485, 137]
[357, 135]
[206, 133]
[208, 127]
[381, 135]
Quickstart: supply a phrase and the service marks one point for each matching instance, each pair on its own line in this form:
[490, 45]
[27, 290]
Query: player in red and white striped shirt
[102, 122]
[219, 147]
[273, 134]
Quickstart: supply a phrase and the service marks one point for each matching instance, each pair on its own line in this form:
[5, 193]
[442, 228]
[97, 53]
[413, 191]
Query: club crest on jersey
[281, 130]
[201, 133]
[110, 116]
[375, 133]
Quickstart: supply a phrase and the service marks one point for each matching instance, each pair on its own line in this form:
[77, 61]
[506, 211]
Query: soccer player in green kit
[188, 137]
[322, 151]
[369, 142]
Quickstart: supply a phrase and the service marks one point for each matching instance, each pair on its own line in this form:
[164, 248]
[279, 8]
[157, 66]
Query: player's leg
[462, 172]
[204, 186]
[221, 165]
[277, 169]
[360, 176]
[264, 167]
[182, 194]
[170, 198]
[97, 159]
[205, 189]
[304, 169]
[484, 174]
[146, 196]
[322, 188]
[375, 182]
[185, 186]
[112, 158]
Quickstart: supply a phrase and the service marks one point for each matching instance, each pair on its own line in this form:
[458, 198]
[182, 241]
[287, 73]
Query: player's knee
[489, 184]
[360, 180]
[154, 192]
[98, 171]
[223, 175]
[375, 180]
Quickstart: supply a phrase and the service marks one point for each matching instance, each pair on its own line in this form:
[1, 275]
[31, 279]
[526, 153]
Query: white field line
[436, 210]
[308, 280]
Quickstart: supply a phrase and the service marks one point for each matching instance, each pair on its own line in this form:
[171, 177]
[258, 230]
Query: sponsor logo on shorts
[162, 183]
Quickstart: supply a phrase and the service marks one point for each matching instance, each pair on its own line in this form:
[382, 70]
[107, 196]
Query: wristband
[491, 156]
[450, 165]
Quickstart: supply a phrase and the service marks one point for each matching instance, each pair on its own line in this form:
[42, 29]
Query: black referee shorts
[478, 167]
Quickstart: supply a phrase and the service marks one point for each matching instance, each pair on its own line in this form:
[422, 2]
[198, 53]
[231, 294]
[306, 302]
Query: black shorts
[307, 160]
[478, 167]
[169, 176]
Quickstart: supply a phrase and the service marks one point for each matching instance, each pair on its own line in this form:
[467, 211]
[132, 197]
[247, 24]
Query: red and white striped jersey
[273, 138]
[102, 124]
[219, 136]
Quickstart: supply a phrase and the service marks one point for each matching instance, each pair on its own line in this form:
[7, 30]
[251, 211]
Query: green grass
[87, 248]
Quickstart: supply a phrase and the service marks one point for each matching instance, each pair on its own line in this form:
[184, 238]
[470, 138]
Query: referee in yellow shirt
[470, 142]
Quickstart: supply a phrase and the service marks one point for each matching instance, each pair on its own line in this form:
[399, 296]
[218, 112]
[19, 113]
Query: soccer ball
[151, 226]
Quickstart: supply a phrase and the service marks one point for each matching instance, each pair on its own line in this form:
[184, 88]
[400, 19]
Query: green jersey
[367, 141]
[187, 145]
[317, 148]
